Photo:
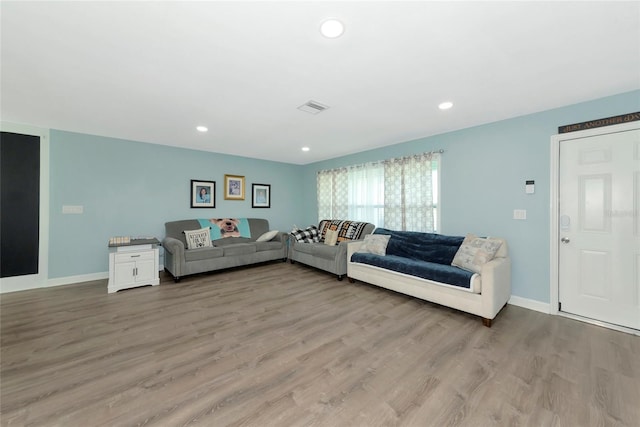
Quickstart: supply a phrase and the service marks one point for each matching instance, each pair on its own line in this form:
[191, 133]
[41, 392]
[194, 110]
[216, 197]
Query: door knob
[565, 240]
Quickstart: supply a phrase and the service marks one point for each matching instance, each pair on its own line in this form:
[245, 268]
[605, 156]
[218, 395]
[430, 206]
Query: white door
[599, 228]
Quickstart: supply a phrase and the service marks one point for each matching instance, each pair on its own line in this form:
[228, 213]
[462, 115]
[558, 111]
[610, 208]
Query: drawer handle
[135, 256]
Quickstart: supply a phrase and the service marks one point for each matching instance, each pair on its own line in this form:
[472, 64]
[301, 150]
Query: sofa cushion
[318, 250]
[198, 238]
[239, 249]
[427, 270]
[475, 252]
[203, 253]
[230, 241]
[268, 246]
[375, 244]
[429, 247]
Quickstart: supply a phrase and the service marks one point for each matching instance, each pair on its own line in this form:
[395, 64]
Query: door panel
[599, 253]
[19, 204]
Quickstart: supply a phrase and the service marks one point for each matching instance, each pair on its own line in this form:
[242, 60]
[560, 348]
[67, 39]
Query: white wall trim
[25, 286]
[69, 280]
[530, 304]
[61, 281]
[554, 213]
[30, 281]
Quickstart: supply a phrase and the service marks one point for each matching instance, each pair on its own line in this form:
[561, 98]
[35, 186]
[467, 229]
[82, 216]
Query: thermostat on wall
[530, 187]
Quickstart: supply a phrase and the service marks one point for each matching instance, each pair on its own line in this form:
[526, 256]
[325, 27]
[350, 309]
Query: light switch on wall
[519, 214]
[69, 209]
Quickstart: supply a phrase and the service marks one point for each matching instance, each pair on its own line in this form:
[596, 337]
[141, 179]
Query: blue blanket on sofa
[426, 270]
[424, 255]
[430, 247]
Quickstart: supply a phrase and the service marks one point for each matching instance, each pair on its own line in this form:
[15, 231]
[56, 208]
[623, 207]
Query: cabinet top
[136, 242]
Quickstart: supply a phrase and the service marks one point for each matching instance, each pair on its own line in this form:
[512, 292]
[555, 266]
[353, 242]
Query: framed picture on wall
[233, 187]
[203, 194]
[261, 196]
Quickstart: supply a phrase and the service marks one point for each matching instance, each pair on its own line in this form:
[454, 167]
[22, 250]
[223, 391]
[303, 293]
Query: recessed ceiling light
[445, 105]
[306, 148]
[202, 129]
[332, 28]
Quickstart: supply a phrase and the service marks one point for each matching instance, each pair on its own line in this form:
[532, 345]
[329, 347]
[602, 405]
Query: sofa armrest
[173, 256]
[352, 248]
[281, 237]
[175, 246]
[496, 285]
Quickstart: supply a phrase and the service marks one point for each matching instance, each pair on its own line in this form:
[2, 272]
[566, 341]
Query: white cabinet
[133, 265]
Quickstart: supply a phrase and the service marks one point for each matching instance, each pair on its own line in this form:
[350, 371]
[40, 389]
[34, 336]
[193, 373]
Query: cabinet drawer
[134, 256]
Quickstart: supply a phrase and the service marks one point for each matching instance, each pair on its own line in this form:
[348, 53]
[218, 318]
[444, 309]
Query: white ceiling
[153, 71]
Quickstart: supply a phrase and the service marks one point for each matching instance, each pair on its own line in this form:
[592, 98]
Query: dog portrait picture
[228, 226]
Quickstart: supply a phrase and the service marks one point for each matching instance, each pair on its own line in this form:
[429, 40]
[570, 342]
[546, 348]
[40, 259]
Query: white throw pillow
[331, 237]
[198, 238]
[375, 244]
[267, 236]
[474, 252]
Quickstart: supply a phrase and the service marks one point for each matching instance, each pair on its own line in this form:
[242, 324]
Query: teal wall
[133, 188]
[484, 170]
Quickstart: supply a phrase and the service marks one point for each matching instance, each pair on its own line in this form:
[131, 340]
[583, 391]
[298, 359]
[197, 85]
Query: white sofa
[489, 294]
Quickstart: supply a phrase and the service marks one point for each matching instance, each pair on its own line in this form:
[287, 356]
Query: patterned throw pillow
[350, 230]
[375, 244]
[309, 235]
[347, 230]
[475, 252]
[198, 238]
[328, 224]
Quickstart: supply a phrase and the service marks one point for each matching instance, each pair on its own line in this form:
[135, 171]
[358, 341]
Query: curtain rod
[440, 151]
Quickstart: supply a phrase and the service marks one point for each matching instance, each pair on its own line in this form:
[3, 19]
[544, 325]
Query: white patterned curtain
[409, 192]
[397, 193]
[366, 193]
[333, 194]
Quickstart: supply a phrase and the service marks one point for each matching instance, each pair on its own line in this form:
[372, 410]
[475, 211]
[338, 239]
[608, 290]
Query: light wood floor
[287, 345]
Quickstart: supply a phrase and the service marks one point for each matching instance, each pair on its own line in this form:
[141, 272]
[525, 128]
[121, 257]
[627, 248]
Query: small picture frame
[203, 194]
[233, 187]
[261, 196]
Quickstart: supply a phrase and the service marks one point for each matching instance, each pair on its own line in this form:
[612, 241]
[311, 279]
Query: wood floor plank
[285, 345]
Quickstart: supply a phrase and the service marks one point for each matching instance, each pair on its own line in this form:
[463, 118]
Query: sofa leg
[284, 260]
[486, 322]
[176, 279]
[351, 280]
[340, 277]
[292, 261]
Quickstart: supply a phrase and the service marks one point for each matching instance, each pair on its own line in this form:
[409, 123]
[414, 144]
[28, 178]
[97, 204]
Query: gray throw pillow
[375, 244]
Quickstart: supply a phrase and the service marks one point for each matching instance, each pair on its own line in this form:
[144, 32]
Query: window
[400, 194]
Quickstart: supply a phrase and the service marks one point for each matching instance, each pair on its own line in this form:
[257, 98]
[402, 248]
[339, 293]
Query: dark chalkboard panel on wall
[19, 204]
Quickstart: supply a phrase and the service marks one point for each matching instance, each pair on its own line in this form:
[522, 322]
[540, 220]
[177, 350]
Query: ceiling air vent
[312, 107]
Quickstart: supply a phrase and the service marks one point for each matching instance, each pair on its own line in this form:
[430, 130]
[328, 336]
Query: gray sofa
[324, 257]
[225, 253]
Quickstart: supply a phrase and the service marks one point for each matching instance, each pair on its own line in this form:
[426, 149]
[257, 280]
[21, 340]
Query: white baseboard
[60, 281]
[78, 279]
[530, 304]
[34, 284]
